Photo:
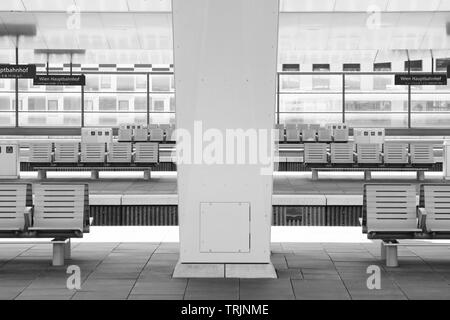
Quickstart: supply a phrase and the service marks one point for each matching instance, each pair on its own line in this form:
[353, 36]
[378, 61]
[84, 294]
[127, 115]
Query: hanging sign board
[421, 79]
[17, 71]
[59, 80]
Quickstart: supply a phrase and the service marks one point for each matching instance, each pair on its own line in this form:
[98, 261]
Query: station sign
[17, 71]
[421, 79]
[59, 80]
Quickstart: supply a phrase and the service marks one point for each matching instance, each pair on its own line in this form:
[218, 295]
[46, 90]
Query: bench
[434, 210]
[15, 208]
[389, 214]
[59, 211]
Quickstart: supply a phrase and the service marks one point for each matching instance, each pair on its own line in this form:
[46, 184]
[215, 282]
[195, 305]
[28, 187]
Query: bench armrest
[422, 217]
[28, 215]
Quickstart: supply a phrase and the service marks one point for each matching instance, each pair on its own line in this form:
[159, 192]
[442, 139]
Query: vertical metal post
[409, 97]
[278, 98]
[82, 106]
[343, 98]
[17, 85]
[409, 92]
[148, 98]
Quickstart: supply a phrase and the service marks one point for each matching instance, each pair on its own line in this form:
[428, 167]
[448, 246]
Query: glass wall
[48, 106]
[310, 98]
[7, 103]
[110, 99]
[361, 100]
[372, 100]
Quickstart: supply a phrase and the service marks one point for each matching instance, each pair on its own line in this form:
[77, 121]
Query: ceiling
[363, 5]
[140, 31]
[87, 5]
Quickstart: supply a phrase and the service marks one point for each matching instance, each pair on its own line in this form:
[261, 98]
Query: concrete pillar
[367, 175]
[225, 55]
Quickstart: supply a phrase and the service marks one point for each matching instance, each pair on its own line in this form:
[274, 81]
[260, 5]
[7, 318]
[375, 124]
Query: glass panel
[430, 110]
[6, 103]
[310, 118]
[162, 118]
[379, 119]
[162, 103]
[46, 119]
[140, 104]
[310, 82]
[125, 83]
[376, 102]
[310, 103]
[161, 83]
[94, 119]
[430, 120]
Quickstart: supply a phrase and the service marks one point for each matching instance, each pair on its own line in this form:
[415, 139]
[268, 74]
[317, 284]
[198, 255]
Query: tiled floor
[291, 183]
[143, 271]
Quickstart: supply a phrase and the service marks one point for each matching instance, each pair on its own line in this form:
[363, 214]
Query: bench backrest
[120, 152]
[41, 152]
[66, 152]
[93, 152]
[389, 207]
[368, 153]
[395, 152]
[435, 198]
[146, 152]
[292, 132]
[14, 198]
[342, 152]
[422, 153]
[61, 206]
[156, 135]
[316, 153]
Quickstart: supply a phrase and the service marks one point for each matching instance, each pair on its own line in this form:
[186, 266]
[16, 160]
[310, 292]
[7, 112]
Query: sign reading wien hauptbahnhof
[421, 79]
[59, 80]
[17, 71]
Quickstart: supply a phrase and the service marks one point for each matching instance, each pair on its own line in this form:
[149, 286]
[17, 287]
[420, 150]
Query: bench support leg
[383, 251]
[94, 175]
[42, 174]
[147, 174]
[67, 250]
[58, 254]
[391, 256]
[367, 175]
[315, 174]
[421, 175]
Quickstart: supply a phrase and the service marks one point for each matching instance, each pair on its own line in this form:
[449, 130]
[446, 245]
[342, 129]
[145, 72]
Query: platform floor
[284, 183]
[137, 263]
